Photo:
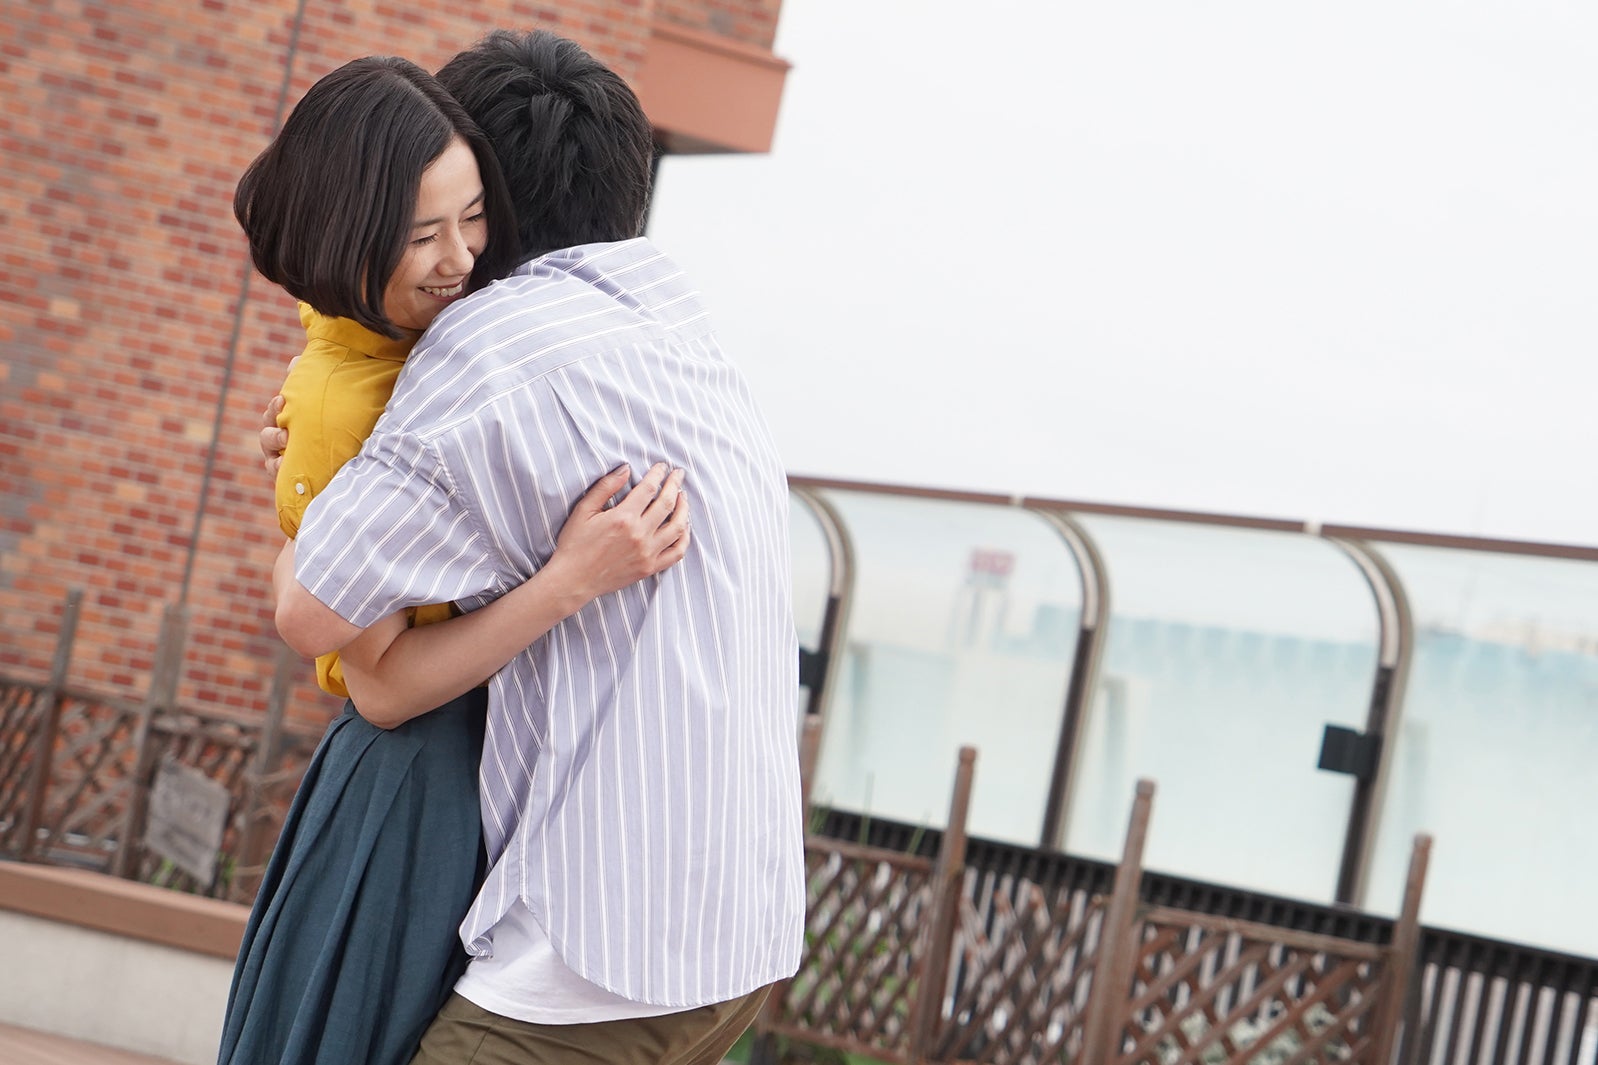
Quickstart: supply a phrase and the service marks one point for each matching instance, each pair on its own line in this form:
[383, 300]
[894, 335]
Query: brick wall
[750, 21]
[138, 347]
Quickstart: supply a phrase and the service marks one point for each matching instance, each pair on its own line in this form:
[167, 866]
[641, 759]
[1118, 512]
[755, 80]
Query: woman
[377, 206]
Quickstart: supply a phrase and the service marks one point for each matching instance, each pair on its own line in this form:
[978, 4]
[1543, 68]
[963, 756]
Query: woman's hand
[605, 548]
[274, 441]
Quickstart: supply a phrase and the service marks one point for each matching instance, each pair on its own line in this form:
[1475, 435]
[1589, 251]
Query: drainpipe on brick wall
[246, 275]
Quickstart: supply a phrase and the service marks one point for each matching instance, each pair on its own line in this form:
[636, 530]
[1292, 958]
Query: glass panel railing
[1229, 650]
[962, 624]
[1494, 750]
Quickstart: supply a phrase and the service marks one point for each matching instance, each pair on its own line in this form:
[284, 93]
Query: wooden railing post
[1112, 974]
[1400, 966]
[809, 752]
[764, 1050]
[168, 667]
[253, 850]
[49, 719]
[948, 877]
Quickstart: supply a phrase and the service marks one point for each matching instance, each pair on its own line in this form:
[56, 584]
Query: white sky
[1330, 262]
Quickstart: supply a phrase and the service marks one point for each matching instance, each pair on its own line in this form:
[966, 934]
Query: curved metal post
[1394, 649]
[1091, 635]
[840, 592]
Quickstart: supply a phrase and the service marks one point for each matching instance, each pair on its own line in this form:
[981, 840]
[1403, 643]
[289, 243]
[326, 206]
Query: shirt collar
[353, 335]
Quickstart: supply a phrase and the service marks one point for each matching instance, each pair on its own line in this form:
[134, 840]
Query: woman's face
[449, 232]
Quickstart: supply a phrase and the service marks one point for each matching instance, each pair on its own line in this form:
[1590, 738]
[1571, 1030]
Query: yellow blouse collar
[355, 336]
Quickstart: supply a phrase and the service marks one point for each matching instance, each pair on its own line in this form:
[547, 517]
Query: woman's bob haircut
[328, 206]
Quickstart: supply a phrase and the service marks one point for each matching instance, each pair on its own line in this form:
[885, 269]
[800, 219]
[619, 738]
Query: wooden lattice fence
[76, 769]
[1208, 989]
[1025, 978]
[873, 970]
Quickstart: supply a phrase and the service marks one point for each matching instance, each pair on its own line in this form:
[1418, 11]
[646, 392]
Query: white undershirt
[526, 980]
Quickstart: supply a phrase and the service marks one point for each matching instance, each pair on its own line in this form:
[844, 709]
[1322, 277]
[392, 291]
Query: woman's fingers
[272, 440]
[675, 533]
[599, 493]
[644, 492]
[661, 508]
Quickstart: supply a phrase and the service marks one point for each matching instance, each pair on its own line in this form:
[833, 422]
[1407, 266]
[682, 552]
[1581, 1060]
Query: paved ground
[23, 1046]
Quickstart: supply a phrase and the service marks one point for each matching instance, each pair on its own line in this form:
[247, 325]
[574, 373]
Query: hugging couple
[559, 818]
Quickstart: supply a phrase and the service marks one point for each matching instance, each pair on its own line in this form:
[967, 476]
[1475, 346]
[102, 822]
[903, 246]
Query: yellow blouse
[331, 400]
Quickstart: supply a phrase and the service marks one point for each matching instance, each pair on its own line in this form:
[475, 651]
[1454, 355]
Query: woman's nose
[458, 258]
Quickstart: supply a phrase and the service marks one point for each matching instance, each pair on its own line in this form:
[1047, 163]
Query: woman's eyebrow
[439, 221]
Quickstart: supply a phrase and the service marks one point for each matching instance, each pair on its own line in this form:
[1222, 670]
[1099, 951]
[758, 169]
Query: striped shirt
[639, 777]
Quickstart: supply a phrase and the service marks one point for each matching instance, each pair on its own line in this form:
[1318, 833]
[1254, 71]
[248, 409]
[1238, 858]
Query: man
[639, 777]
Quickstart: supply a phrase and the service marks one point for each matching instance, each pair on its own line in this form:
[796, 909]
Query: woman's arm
[395, 673]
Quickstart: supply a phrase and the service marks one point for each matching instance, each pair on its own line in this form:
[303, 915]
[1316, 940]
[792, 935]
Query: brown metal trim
[1536, 548]
[705, 93]
[1195, 517]
[911, 491]
[1464, 543]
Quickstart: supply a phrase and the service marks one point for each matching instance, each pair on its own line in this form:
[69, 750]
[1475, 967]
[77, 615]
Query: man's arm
[396, 673]
[304, 622]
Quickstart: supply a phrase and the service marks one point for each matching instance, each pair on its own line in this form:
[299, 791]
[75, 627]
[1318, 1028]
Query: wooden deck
[23, 1046]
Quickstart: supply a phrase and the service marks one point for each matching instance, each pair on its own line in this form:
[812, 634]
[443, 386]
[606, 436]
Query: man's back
[640, 787]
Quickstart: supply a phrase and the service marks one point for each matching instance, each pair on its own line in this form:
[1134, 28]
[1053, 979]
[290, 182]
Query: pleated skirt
[353, 942]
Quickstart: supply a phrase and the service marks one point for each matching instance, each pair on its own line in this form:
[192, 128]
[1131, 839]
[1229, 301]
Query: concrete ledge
[24, 1046]
[125, 908]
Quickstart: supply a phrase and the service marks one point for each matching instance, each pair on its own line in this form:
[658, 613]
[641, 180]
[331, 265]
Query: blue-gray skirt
[354, 943]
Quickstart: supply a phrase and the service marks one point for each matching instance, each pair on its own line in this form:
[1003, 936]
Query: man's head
[571, 137]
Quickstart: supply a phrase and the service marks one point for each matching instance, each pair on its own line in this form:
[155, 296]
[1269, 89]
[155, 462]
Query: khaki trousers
[464, 1033]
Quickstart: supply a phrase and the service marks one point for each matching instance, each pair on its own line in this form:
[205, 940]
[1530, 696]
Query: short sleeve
[390, 532]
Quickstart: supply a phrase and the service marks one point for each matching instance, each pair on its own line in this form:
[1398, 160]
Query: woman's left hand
[604, 548]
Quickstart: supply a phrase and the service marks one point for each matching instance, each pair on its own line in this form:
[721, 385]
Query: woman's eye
[478, 217]
[423, 241]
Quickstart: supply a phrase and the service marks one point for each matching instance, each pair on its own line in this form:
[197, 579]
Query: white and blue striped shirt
[639, 779]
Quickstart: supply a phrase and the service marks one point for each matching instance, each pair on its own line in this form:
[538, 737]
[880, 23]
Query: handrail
[1500, 545]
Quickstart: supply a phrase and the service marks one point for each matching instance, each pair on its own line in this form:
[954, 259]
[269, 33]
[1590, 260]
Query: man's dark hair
[328, 206]
[571, 137]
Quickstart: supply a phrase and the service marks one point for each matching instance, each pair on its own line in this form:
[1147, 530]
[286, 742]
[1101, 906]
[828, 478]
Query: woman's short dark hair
[573, 142]
[328, 206]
